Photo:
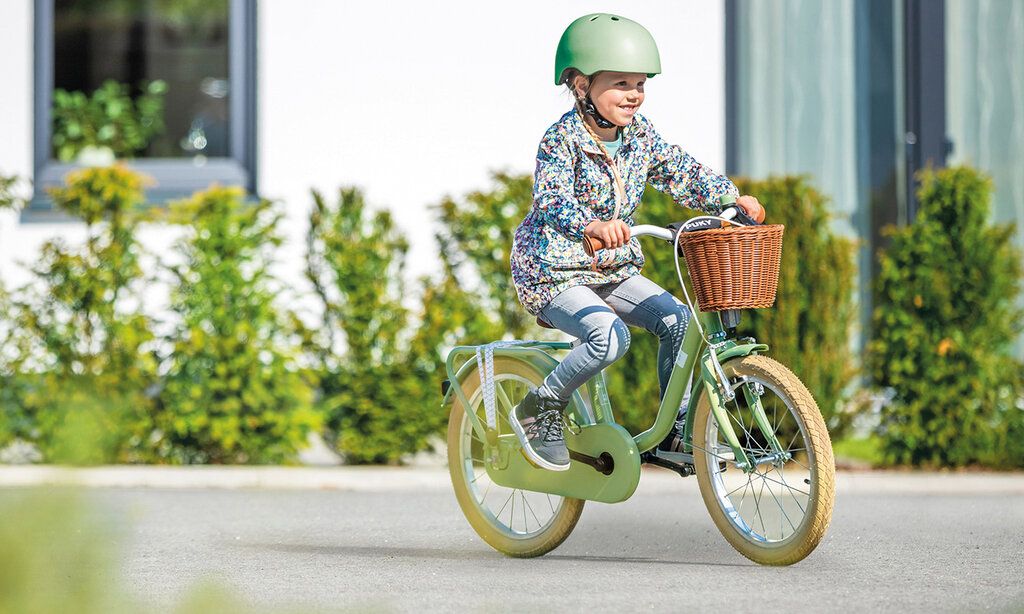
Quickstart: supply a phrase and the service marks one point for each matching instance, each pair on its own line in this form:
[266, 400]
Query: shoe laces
[550, 421]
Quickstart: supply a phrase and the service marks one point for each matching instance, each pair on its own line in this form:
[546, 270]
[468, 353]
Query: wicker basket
[736, 267]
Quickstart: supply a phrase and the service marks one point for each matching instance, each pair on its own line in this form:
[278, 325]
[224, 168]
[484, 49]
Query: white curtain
[985, 99]
[795, 82]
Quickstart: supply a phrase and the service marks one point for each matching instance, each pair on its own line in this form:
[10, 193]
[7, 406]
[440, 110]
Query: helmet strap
[591, 110]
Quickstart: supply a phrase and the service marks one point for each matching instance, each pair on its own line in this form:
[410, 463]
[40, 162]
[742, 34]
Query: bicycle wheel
[515, 522]
[778, 514]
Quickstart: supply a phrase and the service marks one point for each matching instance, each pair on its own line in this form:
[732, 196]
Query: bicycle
[754, 437]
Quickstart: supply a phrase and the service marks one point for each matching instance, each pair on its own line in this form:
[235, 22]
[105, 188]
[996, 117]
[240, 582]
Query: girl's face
[617, 95]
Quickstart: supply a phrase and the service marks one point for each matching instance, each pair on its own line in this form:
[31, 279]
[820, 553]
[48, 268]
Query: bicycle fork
[720, 392]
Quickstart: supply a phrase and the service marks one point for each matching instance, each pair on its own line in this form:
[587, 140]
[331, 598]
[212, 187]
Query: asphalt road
[889, 548]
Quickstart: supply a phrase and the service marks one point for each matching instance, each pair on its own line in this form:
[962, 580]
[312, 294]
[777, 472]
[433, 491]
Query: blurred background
[249, 232]
[376, 159]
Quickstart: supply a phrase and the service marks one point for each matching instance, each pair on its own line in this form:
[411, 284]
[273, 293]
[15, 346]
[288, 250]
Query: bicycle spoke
[498, 515]
[728, 494]
[539, 524]
[486, 490]
[502, 397]
[757, 507]
[806, 494]
[512, 511]
[782, 476]
[781, 507]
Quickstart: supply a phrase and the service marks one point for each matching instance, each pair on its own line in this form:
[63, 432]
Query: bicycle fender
[738, 351]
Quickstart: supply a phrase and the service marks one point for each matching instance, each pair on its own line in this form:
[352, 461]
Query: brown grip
[591, 245]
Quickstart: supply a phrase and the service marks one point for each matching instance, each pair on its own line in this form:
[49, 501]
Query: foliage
[108, 118]
[61, 554]
[943, 329]
[809, 328]
[377, 390]
[9, 197]
[78, 340]
[233, 393]
[476, 246]
[52, 556]
[817, 348]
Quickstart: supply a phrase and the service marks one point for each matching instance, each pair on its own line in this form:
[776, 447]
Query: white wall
[16, 240]
[410, 101]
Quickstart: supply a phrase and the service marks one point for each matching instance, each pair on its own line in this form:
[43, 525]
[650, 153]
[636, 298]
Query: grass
[864, 450]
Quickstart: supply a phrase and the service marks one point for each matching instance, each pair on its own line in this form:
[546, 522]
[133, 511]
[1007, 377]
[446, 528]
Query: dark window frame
[174, 177]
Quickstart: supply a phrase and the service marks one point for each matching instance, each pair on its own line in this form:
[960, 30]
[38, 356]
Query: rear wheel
[519, 523]
[777, 514]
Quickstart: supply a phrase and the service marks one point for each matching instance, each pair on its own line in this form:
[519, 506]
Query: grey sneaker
[538, 424]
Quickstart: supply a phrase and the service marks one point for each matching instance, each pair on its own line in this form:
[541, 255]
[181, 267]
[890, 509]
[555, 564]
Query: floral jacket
[573, 185]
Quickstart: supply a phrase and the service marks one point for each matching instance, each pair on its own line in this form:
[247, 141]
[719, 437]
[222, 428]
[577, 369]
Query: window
[178, 78]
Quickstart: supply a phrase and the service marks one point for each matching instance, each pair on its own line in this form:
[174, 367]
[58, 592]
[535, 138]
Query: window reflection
[183, 43]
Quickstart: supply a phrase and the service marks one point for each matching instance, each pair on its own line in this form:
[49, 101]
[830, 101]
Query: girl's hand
[613, 233]
[751, 207]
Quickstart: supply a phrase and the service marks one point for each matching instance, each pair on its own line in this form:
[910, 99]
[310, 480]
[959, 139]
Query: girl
[592, 166]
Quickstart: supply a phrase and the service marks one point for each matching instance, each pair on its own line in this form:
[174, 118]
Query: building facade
[413, 101]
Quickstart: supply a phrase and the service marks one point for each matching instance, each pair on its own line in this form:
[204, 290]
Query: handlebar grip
[591, 245]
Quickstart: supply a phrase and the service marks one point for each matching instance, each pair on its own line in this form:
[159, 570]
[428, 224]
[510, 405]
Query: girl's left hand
[751, 207]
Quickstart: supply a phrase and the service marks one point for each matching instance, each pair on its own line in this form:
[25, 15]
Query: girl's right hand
[613, 233]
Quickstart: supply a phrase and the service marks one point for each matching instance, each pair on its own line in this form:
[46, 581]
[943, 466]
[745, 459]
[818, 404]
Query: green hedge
[78, 353]
[943, 329]
[378, 369]
[233, 392]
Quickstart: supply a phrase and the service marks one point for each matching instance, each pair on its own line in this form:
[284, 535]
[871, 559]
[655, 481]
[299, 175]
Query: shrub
[476, 244]
[233, 393]
[108, 118]
[943, 329]
[809, 328]
[378, 387]
[78, 338]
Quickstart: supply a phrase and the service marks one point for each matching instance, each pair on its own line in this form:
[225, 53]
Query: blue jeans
[599, 315]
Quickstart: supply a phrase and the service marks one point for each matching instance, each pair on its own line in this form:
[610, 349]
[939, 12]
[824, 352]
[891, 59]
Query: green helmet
[602, 41]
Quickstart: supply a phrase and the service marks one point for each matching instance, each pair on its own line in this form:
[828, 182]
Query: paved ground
[394, 540]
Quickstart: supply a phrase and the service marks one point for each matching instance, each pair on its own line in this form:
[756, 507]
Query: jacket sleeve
[553, 195]
[689, 183]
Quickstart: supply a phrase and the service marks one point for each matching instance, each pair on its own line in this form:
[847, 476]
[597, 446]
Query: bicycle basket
[736, 267]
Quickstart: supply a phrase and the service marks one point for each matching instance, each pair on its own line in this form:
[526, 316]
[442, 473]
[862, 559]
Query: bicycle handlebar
[592, 244]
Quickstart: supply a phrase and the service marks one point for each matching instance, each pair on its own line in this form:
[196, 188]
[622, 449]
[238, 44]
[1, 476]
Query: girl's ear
[580, 85]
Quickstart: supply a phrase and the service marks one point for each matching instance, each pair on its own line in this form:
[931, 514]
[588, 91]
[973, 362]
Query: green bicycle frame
[598, 433]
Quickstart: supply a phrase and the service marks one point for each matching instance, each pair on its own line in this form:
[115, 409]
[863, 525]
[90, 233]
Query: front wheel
[777, 514]
[519, 523]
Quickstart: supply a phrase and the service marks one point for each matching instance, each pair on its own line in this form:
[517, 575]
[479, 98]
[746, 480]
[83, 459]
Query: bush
[233, 393]
[109, 118]
[809, 328]
[77, 339]
[943, 329]
[378, 387]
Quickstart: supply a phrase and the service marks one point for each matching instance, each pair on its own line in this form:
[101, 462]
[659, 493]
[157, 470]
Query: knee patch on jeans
[609, 343]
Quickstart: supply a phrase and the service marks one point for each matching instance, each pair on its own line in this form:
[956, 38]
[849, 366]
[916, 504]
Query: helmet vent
[594, 17]
[615, 18]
